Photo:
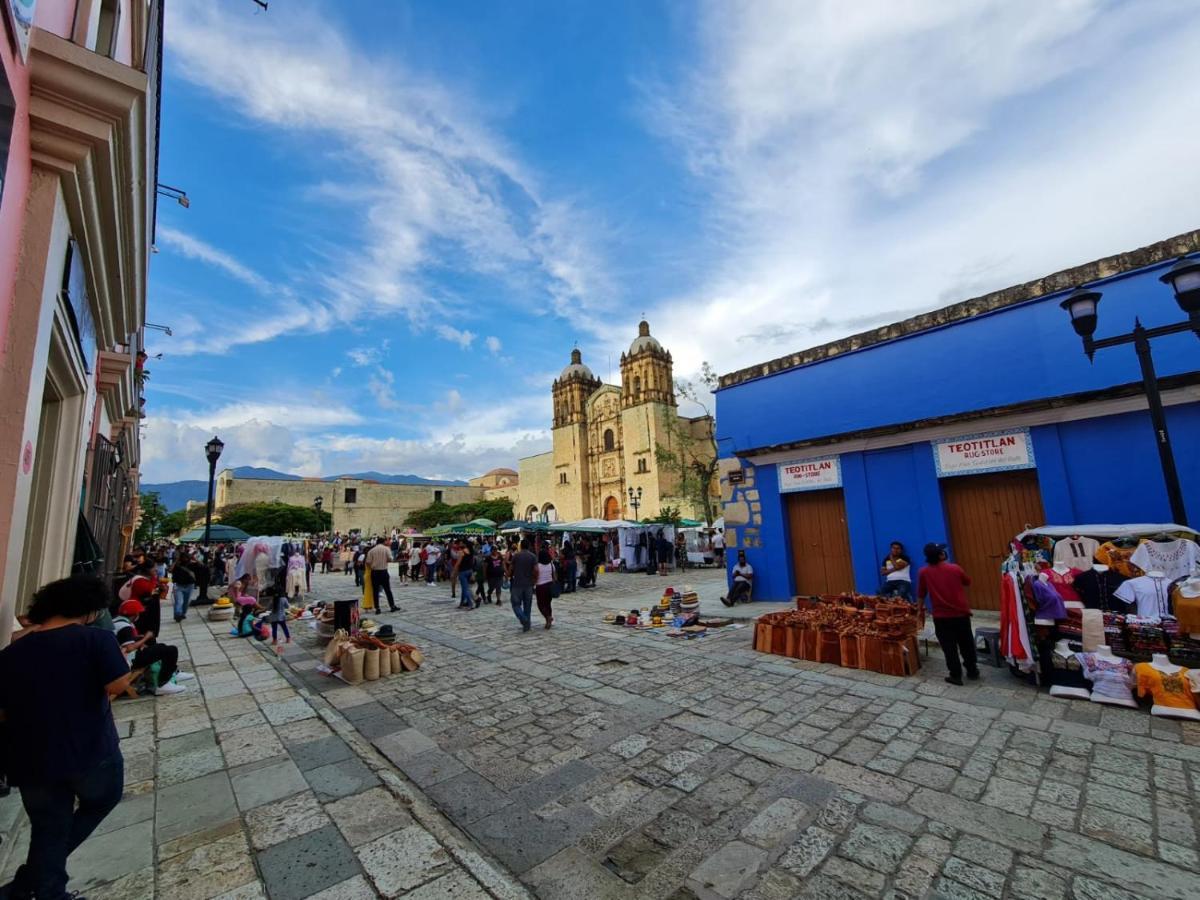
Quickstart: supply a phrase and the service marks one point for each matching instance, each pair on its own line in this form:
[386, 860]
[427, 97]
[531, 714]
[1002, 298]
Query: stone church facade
[604, 441]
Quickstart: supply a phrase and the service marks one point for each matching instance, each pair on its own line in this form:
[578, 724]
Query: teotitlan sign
[810, 474]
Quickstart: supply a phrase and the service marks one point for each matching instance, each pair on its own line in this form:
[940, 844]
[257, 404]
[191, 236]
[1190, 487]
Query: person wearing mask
[547, 576]
[378, 558]
[183, 581]
[62, 746]
[943, 582]
[896, 569]
[522, 571]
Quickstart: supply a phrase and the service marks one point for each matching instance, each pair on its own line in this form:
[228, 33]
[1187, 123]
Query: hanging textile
[1014, 633]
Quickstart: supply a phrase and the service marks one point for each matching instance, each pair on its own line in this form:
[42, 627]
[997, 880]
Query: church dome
[576, 369]
[644, 341]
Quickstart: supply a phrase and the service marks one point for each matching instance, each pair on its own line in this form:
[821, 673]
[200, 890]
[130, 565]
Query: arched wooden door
[612, 509]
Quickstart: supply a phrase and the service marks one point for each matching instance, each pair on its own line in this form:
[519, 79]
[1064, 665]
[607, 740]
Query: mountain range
[176, 494]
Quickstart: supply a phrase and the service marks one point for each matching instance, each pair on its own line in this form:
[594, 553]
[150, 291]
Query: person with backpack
[143, 651]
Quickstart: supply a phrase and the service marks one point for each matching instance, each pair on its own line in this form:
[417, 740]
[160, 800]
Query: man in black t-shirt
[56, 678]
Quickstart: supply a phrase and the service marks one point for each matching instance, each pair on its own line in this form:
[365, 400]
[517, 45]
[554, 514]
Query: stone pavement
[250, 786]
[591, 761]
[598, 762]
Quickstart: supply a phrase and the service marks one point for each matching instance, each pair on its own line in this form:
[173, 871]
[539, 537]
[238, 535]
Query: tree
[174, 523]
[153, 514]
[500, 510]
[668, 515]
[276, 518]
[691, 450]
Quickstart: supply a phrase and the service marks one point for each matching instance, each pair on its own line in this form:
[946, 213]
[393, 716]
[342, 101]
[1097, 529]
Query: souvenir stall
[1106, 614]
[878, 634]
[634, 540]
[698, 541]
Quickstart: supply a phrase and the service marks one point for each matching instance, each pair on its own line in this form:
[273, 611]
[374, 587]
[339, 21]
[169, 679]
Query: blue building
[963, 425]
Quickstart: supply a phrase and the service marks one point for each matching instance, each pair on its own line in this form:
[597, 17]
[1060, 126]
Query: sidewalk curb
[490, 874]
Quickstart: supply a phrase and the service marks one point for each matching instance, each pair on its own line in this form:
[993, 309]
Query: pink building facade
[79, 109]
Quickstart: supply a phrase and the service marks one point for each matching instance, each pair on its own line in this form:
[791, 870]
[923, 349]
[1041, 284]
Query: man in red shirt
[943, 583]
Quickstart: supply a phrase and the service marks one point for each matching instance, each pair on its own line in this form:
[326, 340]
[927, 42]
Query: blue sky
[404, 215]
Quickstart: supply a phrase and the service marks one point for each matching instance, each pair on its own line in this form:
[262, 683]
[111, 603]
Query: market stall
[1106, 613]
[878, 634]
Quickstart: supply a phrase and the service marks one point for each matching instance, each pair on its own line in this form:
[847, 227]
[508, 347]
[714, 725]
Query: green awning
[216, 533]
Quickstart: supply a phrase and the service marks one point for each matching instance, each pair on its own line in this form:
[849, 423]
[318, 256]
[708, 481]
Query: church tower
[646, 374]
[570, 435]
[647, 406]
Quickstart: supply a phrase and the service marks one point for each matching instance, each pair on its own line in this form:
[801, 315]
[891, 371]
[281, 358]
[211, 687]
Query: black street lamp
[1184, 279]
[635, 500]
[212, 450]
[317, 504]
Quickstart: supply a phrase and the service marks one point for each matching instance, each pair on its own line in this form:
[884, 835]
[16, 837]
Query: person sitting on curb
[143, 651]
[743, 581]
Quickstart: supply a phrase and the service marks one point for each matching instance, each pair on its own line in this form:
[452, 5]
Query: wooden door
[820, 542]
[612, 509]
[985, 512]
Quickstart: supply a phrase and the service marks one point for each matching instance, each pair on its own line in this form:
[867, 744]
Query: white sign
[995, 451]
[810, 474]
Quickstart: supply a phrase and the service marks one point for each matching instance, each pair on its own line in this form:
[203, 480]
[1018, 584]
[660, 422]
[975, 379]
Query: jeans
[955, 637]
[464, 584]
[382, 581]
[571, 573]
[897, 587]
[57, 827]
[522, 603]
[183, 596]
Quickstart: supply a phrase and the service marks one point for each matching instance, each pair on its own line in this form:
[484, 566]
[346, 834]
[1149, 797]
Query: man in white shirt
[378, 558]
[718, 545]
[433, 554]
[743, 581]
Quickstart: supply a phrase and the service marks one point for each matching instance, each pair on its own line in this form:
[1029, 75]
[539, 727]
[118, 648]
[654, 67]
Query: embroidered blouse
[1168, 689]
[1110, 677]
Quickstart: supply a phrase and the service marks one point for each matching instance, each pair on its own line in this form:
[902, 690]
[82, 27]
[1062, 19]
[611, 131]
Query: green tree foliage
[153, 514]
[691, 451]
[668, 515]
[498, 511]
[176, 522]
[276, 518]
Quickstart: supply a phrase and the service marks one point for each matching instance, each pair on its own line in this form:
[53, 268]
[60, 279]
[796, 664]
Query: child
[243, 601]
[279, 616]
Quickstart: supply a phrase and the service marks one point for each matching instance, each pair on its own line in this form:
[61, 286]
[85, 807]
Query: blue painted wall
[1092, 470]
[1022, 353]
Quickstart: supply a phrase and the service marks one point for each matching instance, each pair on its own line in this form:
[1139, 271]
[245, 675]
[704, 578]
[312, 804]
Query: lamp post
[317, 504]
[1184, 279]
[212, 450]
[635, 500]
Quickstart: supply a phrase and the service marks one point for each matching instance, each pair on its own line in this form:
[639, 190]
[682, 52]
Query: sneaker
[184, 676]
[957, 681]
[169, 688]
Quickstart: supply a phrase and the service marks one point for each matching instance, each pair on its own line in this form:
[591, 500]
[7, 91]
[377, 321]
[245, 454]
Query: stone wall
[377, 507]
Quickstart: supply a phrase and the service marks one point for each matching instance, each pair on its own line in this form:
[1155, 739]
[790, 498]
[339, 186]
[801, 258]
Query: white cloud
[302, 417]
[870, 160]
[194, 248]
[431, 186]
[493, 344]
[382, 385]
[463, 338]
[365, 356]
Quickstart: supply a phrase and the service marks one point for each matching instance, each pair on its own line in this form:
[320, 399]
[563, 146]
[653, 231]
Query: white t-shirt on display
[1150, 594]
[1173, 558]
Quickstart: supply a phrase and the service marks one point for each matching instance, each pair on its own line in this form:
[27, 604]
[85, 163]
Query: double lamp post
[1184, 279]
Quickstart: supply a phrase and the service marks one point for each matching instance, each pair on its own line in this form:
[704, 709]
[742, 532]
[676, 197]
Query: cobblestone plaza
[591, 761]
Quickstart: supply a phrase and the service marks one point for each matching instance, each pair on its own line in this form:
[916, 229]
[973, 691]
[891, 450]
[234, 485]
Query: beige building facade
[369, 507]
[605, 439]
